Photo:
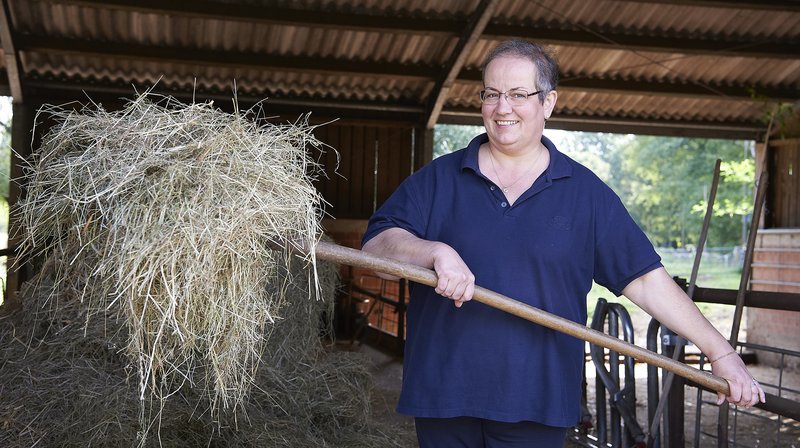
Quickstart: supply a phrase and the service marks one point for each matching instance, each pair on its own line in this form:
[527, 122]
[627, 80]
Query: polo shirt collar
[559, 165]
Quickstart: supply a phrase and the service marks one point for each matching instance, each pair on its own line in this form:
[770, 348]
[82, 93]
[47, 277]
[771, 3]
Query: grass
[716, 271]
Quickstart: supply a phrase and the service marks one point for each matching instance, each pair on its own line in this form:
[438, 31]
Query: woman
[523, 219]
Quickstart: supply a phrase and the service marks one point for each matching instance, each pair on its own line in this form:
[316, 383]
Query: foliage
[449, 138]
[736, 178]
[596, 151]
[667, 183]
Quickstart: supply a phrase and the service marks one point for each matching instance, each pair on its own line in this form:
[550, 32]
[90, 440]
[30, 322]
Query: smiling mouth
[506, 122]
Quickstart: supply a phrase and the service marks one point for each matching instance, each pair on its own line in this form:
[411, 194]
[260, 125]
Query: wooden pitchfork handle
[352, 257]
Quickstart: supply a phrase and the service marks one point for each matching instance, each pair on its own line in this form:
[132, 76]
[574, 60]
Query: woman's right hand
[456, 281]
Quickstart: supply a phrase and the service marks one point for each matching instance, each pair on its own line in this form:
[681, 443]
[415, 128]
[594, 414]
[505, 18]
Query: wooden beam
[229, 59]
[466, 43]
[688, 128]
[5, 88]
[568, 82]
[12, 62]
[21, 136]
[423, 146]
[570, 35]
[684, 89]
[627, 125]
[280, 15]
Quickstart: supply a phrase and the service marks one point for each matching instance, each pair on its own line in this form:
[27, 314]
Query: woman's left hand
[745, 390]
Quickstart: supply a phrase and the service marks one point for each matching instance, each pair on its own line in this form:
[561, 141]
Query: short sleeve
[623, 252]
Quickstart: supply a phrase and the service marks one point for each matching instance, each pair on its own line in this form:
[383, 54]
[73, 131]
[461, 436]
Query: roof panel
[250, 82]
[654, 18]
[672, 67]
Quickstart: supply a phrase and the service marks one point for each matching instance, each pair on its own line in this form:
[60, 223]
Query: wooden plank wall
[371, 162]
[776, 261]
[776, 267]
[784, 201]
[368, 164]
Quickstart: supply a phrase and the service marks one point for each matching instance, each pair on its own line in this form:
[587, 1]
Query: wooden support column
[423, 146]
[466, 43]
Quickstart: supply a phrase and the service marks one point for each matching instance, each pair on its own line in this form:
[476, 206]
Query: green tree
[448, 138]
[734, 201]
[665, 183]
[596, 151]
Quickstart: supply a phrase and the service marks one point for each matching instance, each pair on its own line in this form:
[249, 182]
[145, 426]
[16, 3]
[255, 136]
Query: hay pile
[159, 307]
[65, 383]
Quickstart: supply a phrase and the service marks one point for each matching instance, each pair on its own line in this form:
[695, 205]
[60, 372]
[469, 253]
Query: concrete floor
[757, 430]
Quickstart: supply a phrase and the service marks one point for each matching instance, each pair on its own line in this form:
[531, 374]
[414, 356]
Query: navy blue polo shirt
[544, 250]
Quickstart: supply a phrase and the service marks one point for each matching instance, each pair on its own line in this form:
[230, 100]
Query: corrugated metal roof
[623, 62]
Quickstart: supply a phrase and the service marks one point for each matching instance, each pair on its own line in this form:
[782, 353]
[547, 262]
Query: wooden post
[423, 146]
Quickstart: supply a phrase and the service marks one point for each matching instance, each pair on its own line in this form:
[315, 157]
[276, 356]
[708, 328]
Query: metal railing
[777, 421]
[776, 430]
[782, 409]
[615, 386]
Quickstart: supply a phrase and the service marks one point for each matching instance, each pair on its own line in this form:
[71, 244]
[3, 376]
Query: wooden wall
[368, 164]
[372, 161]
[776, 267]
[783, 203]
[776, 256]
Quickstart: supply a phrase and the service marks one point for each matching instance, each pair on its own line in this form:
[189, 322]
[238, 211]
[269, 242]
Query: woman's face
[515, 128]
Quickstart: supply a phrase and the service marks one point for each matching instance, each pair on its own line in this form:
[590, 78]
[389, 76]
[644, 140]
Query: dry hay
[172, 208]
[65, 383]
[154, 226]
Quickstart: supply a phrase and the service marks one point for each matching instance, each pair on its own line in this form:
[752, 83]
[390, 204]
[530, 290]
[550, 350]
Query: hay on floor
[65, 383]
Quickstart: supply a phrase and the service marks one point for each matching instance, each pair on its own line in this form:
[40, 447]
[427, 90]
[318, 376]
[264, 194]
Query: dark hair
[545, 62]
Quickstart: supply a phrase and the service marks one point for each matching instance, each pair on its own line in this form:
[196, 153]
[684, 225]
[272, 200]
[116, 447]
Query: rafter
[693, 89]
[455, 62]
[69, 90]
[771, 5]
[12, 62]
[743, 130]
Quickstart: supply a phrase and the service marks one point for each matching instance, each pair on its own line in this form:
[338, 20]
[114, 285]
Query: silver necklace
[506, 188]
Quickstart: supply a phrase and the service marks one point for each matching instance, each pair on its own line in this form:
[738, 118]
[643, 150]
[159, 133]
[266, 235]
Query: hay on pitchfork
[169, 210]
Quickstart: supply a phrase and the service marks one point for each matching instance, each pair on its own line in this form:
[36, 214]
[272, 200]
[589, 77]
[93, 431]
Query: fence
[732, 257]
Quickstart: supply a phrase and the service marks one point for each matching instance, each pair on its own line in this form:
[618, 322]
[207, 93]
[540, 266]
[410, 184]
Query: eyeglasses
[515, 97]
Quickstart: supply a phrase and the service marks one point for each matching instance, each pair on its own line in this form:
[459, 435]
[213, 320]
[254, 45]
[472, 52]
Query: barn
[378, 76]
